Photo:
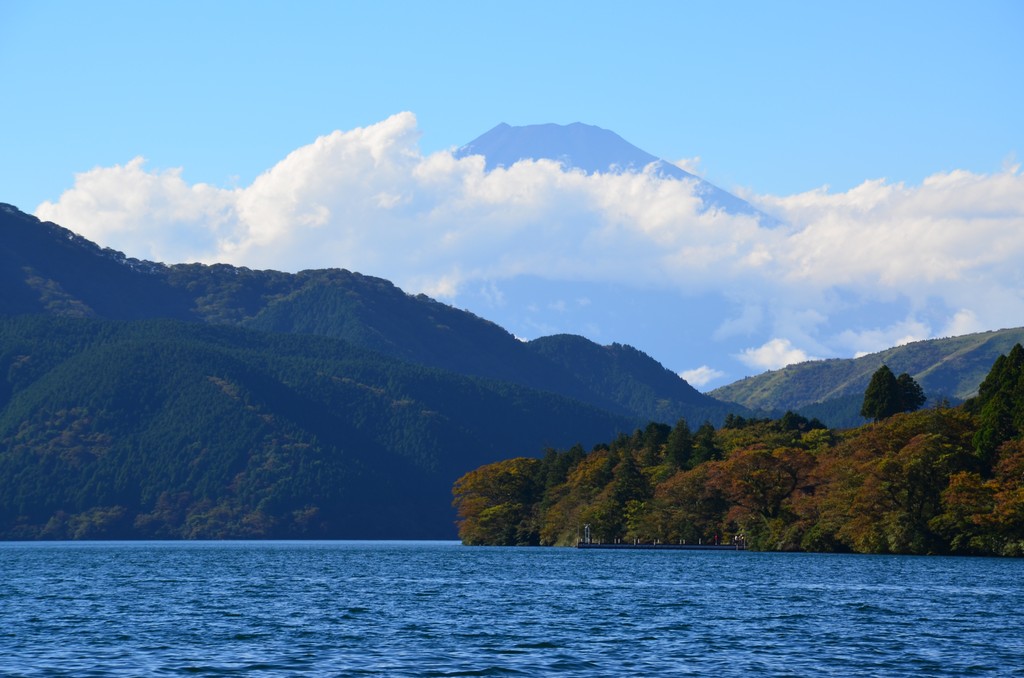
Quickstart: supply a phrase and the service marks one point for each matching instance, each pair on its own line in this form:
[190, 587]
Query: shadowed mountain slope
[631, 377]
[165, 429]
[140, 400]
[51, 270]
[45, 268]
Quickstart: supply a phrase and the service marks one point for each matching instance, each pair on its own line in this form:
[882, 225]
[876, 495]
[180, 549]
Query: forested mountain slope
[630, 377]
[832, 390]
[165, 429]
[48, 269]
[139, 399]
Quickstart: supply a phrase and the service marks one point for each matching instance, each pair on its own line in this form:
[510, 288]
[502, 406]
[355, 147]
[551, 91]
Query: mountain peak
[589, 148]
[576, 145]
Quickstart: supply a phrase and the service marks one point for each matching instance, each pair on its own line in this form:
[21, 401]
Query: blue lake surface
[441, 609]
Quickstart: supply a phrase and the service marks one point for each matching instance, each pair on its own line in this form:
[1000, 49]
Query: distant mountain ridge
[591, 149]
[47, 269]
[947, 369]
[323, 403]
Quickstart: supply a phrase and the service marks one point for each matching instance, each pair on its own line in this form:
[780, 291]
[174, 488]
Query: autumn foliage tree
[940, 480]
[758, 483]
[495, 503]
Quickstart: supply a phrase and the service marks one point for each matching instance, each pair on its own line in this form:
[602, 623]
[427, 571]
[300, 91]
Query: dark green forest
[139, 399]
[943, 480]
[166, 429]
[46, 269]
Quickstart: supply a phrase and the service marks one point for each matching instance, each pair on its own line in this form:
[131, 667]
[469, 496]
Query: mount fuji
[675, 327]
[593, 150]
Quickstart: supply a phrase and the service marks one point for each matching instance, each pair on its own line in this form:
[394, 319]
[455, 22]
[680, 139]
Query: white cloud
[912, 239]
[691, 165]
[493, 294]
[153, 215]
[964, 321]
[701, 376]
[367, 199]
[772, 355]
[871, 340]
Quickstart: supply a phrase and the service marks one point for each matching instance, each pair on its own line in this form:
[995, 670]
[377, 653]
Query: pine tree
[679, 447]
[653, 440]
[888, 394]
[882, 397]
[629, 482]
[704, 446]
[912, 396]
[1000, 403]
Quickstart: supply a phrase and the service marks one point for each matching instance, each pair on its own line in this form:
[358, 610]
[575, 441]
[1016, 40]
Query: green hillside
[48, 269]
[165, 429]
[832, 390]
[139, 399]
[631, 379]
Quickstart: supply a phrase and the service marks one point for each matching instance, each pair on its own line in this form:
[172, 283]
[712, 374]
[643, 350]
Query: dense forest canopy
[167, 429]
[939, 480]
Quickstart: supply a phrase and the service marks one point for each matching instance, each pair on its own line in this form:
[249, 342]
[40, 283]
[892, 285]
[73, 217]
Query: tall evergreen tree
[679, 447]
[704, 446]
[1000, 403]
[655, 437]
[629, 482]
[881, 398]
[912, 396]
[888, 394]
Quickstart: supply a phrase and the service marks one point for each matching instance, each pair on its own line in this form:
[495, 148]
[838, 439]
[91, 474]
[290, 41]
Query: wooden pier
[664, 547]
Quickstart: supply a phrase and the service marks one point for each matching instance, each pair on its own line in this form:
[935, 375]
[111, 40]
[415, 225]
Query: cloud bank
[946, 252]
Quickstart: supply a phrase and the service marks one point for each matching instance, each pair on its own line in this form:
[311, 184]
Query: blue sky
[776, 97]
[772, 100]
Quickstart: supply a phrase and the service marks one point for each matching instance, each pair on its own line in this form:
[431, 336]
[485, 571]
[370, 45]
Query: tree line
[937, 480]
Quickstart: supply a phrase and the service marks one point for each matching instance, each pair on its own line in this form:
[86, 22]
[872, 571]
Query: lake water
[441, 609]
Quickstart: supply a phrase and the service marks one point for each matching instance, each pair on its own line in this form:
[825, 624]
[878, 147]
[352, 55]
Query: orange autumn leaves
[940, 480]
[913, 483]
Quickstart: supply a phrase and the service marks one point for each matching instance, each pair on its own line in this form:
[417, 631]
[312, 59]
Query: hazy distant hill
[833, 390]
[591, 149]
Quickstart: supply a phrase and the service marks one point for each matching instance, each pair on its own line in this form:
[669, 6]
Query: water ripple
[406, 609]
